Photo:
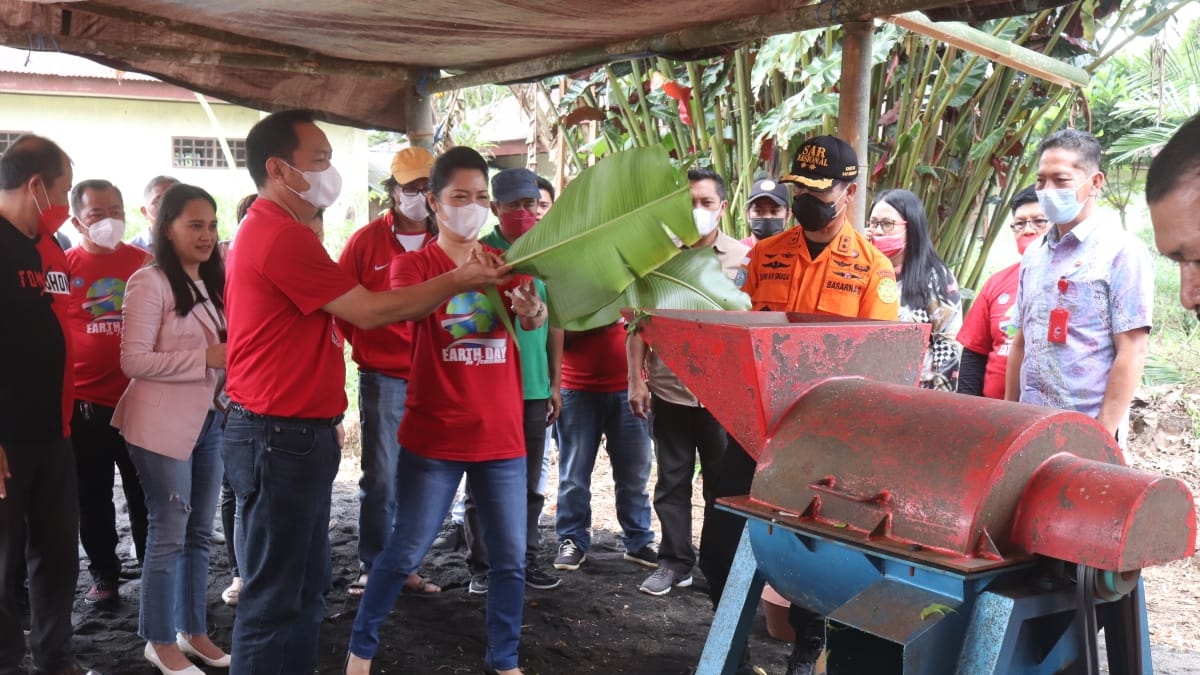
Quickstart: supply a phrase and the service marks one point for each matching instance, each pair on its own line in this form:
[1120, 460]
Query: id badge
[1057, 330]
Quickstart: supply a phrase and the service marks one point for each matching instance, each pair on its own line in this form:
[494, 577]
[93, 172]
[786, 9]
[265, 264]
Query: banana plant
[613, 240]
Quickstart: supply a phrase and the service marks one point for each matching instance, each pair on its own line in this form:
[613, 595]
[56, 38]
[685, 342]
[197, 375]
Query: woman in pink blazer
[173, 349]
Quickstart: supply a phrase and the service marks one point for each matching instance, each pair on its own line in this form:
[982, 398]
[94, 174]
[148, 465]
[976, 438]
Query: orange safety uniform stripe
[849, 278]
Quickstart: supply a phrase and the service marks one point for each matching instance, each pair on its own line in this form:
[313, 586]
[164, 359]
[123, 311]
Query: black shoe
[805, 653]
[478, 585]
[539, 578]
[450, 538]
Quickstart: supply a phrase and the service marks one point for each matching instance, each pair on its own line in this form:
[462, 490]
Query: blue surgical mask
[1061, 205]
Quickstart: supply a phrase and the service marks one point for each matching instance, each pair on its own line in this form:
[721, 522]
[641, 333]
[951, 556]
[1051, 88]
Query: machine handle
[828, 485]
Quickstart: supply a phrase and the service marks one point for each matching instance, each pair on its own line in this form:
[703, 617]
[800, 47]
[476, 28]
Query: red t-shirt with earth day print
[464, 401]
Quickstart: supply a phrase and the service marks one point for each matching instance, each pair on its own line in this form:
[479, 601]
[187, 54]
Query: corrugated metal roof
[57, 64]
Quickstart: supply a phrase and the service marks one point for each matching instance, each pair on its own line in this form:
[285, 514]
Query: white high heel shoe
[152, 657]
[187, 648]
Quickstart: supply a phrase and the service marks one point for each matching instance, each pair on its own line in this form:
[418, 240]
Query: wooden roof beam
[993, 48]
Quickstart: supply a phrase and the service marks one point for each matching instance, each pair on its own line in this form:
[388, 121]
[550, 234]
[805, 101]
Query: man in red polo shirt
[99, 268]
[384, 355]
[37, 467]
[286, 379]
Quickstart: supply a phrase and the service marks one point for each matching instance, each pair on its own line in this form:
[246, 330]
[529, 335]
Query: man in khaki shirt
[680, 426]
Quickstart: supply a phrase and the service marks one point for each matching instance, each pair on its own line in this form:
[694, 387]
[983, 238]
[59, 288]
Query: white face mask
[465, 221]
[413, 207]
[323, 186]
[106, 233]
[706, 221]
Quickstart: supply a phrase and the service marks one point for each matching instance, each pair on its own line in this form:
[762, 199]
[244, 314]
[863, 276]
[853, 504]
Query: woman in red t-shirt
[463, 414]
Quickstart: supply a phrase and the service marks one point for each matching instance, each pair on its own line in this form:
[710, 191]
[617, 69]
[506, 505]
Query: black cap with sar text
[820, 161]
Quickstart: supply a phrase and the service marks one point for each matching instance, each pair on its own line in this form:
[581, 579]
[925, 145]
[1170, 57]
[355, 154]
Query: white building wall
[128, 141]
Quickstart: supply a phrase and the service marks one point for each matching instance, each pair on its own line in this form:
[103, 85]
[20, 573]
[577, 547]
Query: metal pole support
[418, 114]
[731, 624]
[854, 100]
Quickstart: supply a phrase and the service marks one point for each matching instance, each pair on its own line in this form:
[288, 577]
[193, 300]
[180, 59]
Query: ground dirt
[597, 621]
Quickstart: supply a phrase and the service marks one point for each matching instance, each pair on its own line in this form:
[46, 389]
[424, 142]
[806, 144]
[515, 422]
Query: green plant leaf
[691, 280]
[936, 609]
[614, 224]
[493, 295]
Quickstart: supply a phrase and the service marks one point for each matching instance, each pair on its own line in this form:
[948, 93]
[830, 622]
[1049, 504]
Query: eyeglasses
[1034, 224]
[413, 192]
[886, 225]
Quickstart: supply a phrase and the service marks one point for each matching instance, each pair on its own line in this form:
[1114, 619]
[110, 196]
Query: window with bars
[189, 152]
[7, 138]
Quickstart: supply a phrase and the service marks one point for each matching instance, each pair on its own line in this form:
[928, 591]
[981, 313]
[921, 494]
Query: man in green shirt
[515, 196]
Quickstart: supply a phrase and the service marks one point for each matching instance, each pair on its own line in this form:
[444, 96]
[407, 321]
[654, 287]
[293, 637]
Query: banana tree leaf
[615, 223]
[691, 280]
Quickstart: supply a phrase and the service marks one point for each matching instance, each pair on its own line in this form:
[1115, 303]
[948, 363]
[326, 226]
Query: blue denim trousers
[180, 499]
[424, 489]
[282, 472]
[381, 406]
[586, 415]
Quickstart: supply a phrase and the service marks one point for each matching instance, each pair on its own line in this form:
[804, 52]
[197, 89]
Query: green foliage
[613, 225]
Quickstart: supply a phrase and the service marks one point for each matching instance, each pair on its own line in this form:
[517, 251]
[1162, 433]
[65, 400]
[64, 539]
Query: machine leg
[731, 624]
[1126, 634]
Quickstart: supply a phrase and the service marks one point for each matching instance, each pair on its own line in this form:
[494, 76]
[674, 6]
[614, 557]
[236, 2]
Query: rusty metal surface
[748, 368]
[915, 467]
[1105, 516]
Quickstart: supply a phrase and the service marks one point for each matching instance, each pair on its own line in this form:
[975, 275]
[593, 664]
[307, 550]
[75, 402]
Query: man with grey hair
[150, 198]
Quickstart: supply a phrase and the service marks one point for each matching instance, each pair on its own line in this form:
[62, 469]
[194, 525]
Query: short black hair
[95, 184]
[274, 136]
[544, 184]
[1025, 196]
[1080, 142]
[458, 157]
[30, 156]
[1178, 160]
[705, 173]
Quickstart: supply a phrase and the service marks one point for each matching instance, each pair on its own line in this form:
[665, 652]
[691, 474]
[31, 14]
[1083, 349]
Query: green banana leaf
[613, 225]
[691, 280]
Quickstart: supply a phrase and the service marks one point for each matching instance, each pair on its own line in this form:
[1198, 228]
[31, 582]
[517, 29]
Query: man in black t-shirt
[39, 516]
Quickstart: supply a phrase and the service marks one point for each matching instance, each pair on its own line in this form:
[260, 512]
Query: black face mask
[762, 228]
[812, 213]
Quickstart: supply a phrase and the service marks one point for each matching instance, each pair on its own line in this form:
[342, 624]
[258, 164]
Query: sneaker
[663, 580]
[478, 585]
[450, 538]
[646, 556]
[103, 591]
[569, 557]
[539, 578]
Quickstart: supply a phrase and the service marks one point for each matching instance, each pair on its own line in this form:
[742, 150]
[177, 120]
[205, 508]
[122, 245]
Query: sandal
[230, 595]
[358, 586]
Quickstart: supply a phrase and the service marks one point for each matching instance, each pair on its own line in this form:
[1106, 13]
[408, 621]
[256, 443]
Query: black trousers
[722, 530]
[681, 432]
[38, 521]
[97, 447]
[535, 449]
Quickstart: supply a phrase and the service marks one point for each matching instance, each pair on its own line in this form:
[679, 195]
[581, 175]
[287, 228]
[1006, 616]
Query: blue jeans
[381, 404]
[282, 472]
[585, 416]
[180, 498]
[424, 489]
